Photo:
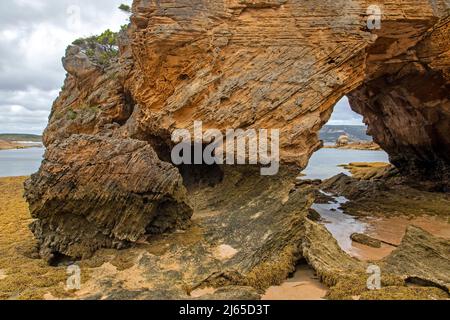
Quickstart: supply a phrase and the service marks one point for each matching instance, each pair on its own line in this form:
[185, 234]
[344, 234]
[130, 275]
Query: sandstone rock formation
[245, 236]
[347, 277]
[230, 64]
[94, 192]
[387, 195]
[405, 99]
[342, 141]
[422, 259]
[221, 255]
[284, 64]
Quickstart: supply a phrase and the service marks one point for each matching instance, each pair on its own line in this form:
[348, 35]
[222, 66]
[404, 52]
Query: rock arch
[232, 64]
[286, 63]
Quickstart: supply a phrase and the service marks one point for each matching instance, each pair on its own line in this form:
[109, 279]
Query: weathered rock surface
[406, 98]
[106, 180]
[371, 170]
[284, 64]
[93, 192]
[366, 240]
[387, 194]
[245, 236]
[348, 277]
[210, 260]
[422, 259]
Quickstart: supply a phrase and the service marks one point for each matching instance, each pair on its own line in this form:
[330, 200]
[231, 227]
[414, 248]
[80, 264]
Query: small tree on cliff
[108, 39]
[125, 8]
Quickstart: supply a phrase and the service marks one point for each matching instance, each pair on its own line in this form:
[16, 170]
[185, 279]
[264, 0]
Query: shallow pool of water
[342, 226]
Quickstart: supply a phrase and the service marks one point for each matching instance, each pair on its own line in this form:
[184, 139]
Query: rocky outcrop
[422, 259]
[371, 170]
[230, 64]
[407, 104]
[245, 236]
[221, 255]
[93, 192]
[356, 146]
[386, 194]
[284, 64]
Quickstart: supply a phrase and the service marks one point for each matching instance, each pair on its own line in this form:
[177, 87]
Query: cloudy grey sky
[343, 114]
[33, 38]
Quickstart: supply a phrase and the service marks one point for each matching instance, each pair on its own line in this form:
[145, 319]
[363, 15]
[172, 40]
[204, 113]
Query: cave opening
[194, 175]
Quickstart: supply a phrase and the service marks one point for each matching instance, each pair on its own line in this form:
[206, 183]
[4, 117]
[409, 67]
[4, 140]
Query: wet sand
[393, 229]
[304, 285]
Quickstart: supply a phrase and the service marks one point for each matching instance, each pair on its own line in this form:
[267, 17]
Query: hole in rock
[59, 259]
[200, 175]
[128, 108]
[194, 175]
[184, 77]
[340, 135]
[345, 141]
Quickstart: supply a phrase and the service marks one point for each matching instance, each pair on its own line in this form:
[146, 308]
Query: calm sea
[14, 163]
[323, 164]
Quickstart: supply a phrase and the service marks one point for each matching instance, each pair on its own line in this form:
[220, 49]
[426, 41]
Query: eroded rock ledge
[93, 192]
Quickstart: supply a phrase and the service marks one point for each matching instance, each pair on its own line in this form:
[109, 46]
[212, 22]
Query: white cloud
[33, 37]
[344, 115]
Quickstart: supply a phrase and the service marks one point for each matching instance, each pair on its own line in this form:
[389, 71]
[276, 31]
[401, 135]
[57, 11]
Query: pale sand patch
[50, 297]
[224, 252]
[366, 253]
[131, 279]
[92, 286]
[256, 215]
[302, 286]
[201, 292]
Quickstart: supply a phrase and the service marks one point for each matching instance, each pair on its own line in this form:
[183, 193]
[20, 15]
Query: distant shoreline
[18, 141]
[18, 145]
[371, 146]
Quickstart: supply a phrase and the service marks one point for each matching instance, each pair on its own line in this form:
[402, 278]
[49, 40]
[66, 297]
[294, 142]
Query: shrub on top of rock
[101, 49]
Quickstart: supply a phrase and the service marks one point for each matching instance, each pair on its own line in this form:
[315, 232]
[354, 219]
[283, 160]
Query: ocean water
[23, 162]
[325, 162]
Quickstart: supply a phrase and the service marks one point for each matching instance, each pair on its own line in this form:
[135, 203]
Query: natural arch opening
[345, 140]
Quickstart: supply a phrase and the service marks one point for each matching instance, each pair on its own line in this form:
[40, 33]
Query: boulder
[93, 192]
[366, 240]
